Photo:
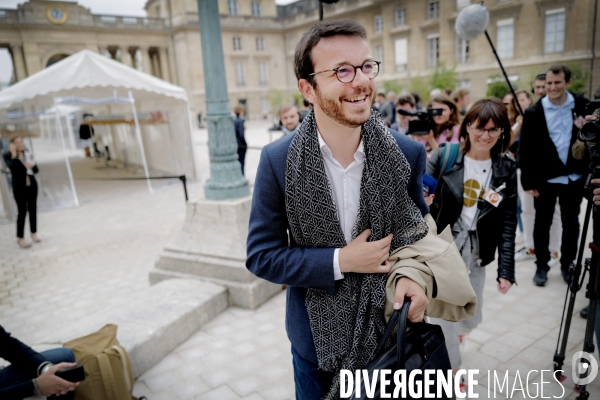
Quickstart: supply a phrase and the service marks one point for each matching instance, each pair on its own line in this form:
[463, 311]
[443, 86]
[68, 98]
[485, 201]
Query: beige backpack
[108, 374]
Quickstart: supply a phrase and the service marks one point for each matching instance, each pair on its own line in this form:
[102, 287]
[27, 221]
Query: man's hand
[596, 192]
[533, 192]
[50, 384]
[504, 285]
[366, 257]
[429, 199]
[406, 287]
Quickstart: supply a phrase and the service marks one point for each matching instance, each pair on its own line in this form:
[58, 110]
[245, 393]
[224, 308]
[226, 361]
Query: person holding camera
[32, 373]
[550, 127]
[25, 188]
[406, 103]
[446, 128]
[478, 195]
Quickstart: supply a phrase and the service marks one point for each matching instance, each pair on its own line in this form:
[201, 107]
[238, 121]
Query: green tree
[443, 77]
[580, 79]
[417, 84]
[394, 86]
[498, 88]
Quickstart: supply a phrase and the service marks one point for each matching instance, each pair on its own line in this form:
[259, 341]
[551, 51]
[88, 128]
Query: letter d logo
[585, 368]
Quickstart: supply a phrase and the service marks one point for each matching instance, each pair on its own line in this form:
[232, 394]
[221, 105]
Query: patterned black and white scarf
[347, 326]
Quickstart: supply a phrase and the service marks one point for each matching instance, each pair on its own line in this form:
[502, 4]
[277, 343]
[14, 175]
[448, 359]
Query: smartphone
[75, 374]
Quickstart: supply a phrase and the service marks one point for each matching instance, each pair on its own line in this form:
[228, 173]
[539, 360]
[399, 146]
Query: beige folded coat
[435, 263]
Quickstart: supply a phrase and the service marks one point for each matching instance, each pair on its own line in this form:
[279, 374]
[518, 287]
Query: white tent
[89, 75]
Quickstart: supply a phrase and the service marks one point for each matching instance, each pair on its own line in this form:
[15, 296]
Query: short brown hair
[459, 94]
[238, 109]
[406, 99]
[557, 69]
[287, 107]
[303, 62]
[443, 99]
[481, 112]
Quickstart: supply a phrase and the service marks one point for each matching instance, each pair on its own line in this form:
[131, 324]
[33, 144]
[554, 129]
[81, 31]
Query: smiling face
[348, 104]
[445, 117]
[556, 86]
[482, 144]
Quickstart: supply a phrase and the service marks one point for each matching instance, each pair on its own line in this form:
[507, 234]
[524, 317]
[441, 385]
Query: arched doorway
[56, 58]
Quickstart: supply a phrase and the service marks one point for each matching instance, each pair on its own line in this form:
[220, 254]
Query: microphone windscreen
[472, 21]
[429, 184]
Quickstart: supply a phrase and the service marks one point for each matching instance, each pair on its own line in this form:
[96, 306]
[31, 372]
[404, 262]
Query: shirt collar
[359, 154]
[569, 103]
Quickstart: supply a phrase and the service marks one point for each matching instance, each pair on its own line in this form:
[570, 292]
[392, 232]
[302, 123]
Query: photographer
[406, 103]
[32, 373]
[446, 128]
[550, 127]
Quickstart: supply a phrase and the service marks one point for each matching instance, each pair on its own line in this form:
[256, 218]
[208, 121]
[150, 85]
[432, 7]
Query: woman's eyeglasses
[493, 133]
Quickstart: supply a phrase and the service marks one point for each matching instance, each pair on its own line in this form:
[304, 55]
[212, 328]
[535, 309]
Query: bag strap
[402, 325]
[110, 386]
[126, 367]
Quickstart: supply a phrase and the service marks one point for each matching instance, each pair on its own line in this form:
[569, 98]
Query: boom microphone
[472, 21]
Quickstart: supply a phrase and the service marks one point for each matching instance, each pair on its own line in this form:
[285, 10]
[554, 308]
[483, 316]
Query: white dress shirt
[345, 186]
[559, 120]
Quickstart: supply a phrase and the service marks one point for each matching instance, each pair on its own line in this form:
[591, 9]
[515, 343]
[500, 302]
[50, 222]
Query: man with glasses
[550, 128]
[348, 191]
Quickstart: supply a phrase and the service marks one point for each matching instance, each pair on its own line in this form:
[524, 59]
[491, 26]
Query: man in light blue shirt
[548, 169]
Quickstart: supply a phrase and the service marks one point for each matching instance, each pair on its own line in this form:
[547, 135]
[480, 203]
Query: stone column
[164, 64]
[19, 64]
[125, 56]
[155, 64]
[146, 65]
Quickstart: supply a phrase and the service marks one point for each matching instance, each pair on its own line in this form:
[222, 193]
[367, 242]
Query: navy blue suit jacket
[272, 258]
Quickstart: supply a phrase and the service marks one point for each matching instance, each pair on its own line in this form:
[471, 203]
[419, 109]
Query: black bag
[422, 348]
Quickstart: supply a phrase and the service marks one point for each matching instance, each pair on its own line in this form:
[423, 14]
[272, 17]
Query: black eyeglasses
[346, 73]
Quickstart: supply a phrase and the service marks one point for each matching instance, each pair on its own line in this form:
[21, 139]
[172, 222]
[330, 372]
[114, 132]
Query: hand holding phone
[75, 374]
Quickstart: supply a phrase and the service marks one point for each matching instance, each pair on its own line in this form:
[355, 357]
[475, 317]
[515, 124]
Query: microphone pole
[504, 73]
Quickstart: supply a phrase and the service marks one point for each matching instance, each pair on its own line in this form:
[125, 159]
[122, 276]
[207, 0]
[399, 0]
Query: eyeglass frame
[500, 131]
[353, 66]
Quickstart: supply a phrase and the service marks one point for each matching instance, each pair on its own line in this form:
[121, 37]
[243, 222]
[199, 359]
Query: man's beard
[334, 110]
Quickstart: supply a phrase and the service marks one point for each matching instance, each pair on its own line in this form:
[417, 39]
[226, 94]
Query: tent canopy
[85, 70]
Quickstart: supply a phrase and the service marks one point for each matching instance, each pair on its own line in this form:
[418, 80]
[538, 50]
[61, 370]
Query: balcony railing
[8, 16]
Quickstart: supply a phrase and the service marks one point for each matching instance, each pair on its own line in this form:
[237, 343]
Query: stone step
[246, 295]
[156, 320]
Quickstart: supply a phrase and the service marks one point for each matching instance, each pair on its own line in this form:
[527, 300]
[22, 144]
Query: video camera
[590, 131]
[423, 123]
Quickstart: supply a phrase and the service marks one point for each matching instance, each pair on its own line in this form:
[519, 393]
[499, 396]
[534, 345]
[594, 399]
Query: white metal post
[62, 142]
[138, 133]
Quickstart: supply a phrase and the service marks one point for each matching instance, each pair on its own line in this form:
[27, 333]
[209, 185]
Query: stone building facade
[409, 36]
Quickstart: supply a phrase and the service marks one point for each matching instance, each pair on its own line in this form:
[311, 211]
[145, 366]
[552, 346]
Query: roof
[77, 74]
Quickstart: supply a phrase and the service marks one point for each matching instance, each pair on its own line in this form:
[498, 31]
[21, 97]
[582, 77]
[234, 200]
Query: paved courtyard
[100, 253]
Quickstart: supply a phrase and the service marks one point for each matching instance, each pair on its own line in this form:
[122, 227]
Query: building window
[233, 7]
[265, 105]
[400, 16]
[237, 43]
[462, 51]
[240, 74]
[555, 31]
[401, 48]
[260, 44]
[379, 56]
[462, 3]
[506, 36]
[256, 8]
[433, 50]
[378, 24]
[464, 84]
[262, 73]
[433, 10]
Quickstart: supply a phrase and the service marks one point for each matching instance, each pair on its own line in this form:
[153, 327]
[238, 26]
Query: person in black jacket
[25, 188]
[476, 197]
[549, 170]
[32, 373]
[238, 124]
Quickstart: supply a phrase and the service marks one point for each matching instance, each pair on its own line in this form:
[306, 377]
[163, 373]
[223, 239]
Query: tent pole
[138, 133]
[62, 142]
[70, 132]
[186, 107]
